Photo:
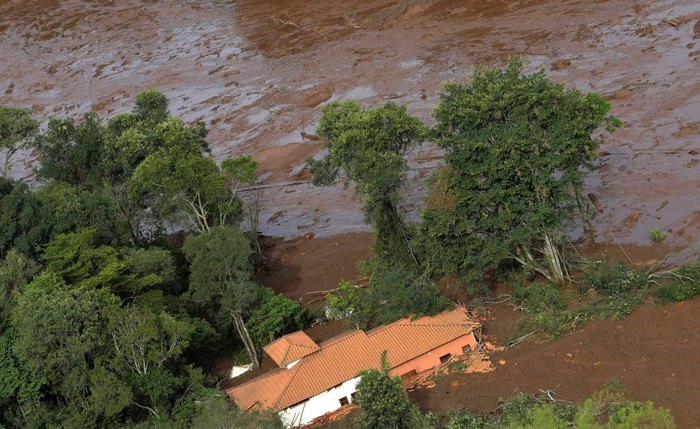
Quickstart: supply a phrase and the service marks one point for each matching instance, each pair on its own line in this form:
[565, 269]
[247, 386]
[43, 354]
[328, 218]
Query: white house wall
[318, 405]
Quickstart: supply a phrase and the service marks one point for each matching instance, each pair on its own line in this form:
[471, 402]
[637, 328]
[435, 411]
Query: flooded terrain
[256, 71]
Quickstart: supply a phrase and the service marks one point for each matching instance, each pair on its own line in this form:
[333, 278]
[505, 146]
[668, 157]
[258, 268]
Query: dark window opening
[344, 401]
[467, 348]
[445, 358]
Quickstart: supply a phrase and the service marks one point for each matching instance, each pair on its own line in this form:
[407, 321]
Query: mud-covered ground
[256, 71]
[652, 353]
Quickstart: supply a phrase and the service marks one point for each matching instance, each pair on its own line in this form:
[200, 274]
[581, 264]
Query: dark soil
[297, 267]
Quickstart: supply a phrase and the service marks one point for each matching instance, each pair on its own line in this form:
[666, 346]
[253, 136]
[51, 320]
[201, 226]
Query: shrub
[538, 298]
[614, 279]
[684, 285]
[656, 235]
[464, 420]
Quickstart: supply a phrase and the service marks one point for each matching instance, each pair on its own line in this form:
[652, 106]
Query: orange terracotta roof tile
[290, 348]
[344, 357]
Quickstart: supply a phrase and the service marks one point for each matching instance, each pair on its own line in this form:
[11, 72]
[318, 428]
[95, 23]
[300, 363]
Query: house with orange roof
[315, 379]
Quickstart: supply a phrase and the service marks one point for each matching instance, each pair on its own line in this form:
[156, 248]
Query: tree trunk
[245, 337]
[551, 254]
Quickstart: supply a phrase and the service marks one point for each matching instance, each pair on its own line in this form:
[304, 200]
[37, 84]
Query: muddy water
[257, 70]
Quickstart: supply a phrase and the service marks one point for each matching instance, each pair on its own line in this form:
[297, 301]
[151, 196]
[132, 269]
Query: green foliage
[22, 224]
[151, 106]
[614, 279]
[221, 278]
[61, 331]
[517, 149]
[178, 179]
[656, 235]
[240, 170]
[393, 292]
[383, 401]
[217, 413]
[79, 260]
[72, 152]
[274, 315]
[683, 285]
[464, 420]
[17, 130]
[145, 340]
[70, 208]
[16, 270]
[369, 145]
[538, 298]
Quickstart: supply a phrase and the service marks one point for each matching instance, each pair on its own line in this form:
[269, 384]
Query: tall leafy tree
[23, 224]
[61, 335]
[70, 208]
[17, 131]
[517, 149]
[221, 277]
[72, 151]
[16, 270]
[369, 145]
[384, 402]
[179, 179]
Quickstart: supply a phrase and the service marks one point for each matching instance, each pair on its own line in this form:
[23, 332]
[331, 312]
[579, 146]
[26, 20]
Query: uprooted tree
[517, 149]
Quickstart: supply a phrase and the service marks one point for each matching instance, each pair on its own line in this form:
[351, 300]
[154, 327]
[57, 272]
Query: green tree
[71, 208]
[273, 316]
[369, 146]
[384, 402]
[218, 413]
[82, 262]
[393, 292]
[517, 149]
[178, 179]
[73, 152]
[144, 340]
[61, 334]
[23, 223]
[221, 277]
[16, 270]
[17, 131]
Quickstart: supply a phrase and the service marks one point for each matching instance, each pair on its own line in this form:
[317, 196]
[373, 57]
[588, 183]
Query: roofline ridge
[261, 376]
[289, 383]
[342, 336]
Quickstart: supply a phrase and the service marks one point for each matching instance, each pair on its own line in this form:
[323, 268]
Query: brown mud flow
[256, 71]
[652, 353]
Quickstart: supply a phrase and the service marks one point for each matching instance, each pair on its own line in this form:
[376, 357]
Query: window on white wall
[344, 401]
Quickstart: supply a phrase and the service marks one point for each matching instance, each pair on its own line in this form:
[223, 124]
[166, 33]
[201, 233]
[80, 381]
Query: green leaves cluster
[17, 130]
[517, 148]
[384, 402]
[368, 146]
[102, 317]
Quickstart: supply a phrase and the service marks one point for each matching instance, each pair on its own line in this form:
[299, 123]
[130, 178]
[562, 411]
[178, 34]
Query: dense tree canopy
[95, 327]
[518, 146]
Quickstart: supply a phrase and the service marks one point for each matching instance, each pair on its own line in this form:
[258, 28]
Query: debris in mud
[477, 361]
[631, 220]
[331, 417]
[560, 64]
[316, 95]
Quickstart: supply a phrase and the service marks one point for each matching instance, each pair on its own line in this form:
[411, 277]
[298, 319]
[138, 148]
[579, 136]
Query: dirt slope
[653, 353]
